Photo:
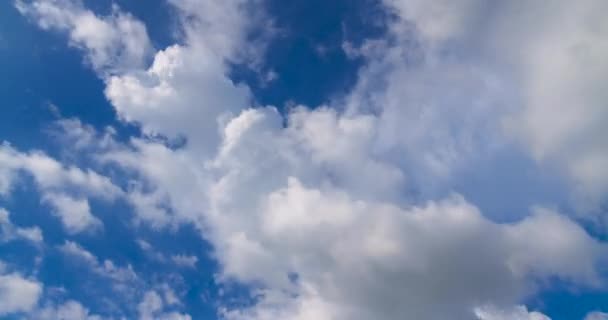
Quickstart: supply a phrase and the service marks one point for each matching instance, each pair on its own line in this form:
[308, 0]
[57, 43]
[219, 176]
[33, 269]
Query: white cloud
[150, 300]
[222, 26]
[112, 43]
[215, 32]
[21, 295]
[122, 276]
[565, 103]
[33, 234]
[65, 188]
[150, 304]
[324, 227]
[51, 175]
[373, 260]
[516, 313]
[184, 92]
[558, 247]
[75, 214]
[440, 20]
[81, 137]
[332, 233]
[327, 195]
[74, 249]
[18, 294]
[435, 114]
[152, 307]
[183, 183]
[180, 260]
[149, 250]
[596, 315]
[546, 62]
[184, 260]
[9, 232]
[117, 45]
[69, 310]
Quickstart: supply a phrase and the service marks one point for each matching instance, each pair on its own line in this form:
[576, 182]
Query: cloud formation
[517, 313]
[17, 293]
[349, 210]
[113, 43]
[596, 315]
[65, 189]
[540, 64]
[10, 232]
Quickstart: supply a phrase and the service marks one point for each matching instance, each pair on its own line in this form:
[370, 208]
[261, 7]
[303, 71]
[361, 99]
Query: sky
[303, 160]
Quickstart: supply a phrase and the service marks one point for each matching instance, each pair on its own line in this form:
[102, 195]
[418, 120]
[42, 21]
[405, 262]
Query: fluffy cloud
[360, 260]
[517, 313]
[185, 90]
[161, 97]
[152, 305]
[65, 188]
[22, 296]
[112, 44]
[18, 294]
[51, 175]
[565, 108]
[335, 214]
[148, 298]
[289, 216]
[532, 69]
[75, 214]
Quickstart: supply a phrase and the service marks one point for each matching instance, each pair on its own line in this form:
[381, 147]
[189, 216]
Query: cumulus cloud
[334, 212]
[362, 260]
[17, 293]
[51, 175]
[215, 32]
[111, 43]
[152, 307]
[565, 105]
[535, 71]
[186, 86]
[290, 219]
[168, 91]
[64, 188]
[23, 296]
[75, 214]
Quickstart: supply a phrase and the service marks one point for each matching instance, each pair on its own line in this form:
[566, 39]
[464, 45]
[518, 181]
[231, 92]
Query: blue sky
[262, 159]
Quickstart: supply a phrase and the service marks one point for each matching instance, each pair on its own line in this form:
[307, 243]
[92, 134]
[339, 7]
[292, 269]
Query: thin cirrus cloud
[349, 210]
